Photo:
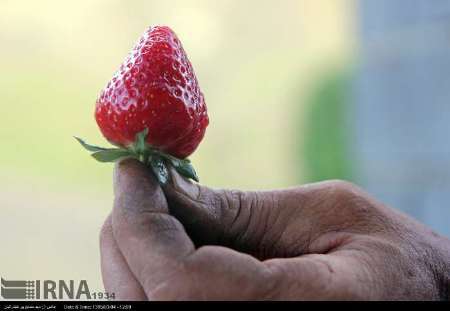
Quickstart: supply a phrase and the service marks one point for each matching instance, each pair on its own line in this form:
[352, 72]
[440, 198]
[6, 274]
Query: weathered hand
[327, 240]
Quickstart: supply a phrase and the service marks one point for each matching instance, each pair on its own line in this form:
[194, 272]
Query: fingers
[152, 242]
[252, 222]
[267, 224]
[285, 223]
[219, 273]
[117, 277]
[161, 256]
[220, 217]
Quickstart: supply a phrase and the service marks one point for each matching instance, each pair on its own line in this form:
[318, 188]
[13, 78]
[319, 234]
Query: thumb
[248, 221]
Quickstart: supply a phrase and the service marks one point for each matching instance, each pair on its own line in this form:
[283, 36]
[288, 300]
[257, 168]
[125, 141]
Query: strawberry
[152, 109]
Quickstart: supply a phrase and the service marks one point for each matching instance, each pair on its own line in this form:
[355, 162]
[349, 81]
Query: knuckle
[343, 188]
[235, 207]
[246, 220]
[228, 205]
[200, 260]
[348, 195]
[241, 212]
[355, 208]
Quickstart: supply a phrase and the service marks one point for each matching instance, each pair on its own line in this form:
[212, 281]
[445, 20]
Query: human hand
[327, 240]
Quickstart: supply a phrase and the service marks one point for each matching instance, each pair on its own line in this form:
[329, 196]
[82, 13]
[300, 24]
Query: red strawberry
[153, 108]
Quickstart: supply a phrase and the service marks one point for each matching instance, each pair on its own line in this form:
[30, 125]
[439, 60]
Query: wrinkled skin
[327, 240]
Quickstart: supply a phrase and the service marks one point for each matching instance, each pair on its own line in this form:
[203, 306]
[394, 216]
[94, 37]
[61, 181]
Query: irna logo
[46, 289]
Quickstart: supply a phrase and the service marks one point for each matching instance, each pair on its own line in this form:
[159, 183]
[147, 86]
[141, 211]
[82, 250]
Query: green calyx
[157, 160]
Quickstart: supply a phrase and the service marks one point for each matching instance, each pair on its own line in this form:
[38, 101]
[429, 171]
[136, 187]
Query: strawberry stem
[145, 153]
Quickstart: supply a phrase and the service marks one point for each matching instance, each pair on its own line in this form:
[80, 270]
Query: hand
[327, 240]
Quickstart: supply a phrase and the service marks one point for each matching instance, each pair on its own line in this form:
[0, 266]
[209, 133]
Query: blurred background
[297, 91]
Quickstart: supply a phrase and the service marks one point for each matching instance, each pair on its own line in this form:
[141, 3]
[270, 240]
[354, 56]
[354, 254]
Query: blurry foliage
[326, 143]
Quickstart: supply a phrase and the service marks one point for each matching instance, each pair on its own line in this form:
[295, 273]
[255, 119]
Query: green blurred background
[274, 76]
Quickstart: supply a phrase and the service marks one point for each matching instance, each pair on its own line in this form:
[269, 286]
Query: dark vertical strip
[38, 289]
